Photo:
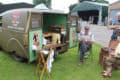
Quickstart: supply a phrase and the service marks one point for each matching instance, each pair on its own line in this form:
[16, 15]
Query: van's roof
[36, 11]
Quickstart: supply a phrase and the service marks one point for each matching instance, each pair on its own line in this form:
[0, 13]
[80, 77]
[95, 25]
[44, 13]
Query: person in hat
[85, 38]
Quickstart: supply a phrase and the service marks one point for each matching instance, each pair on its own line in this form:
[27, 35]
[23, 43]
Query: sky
[56, 4]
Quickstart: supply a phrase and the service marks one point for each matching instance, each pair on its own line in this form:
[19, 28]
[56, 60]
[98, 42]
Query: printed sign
[35, 43]
[72, 37]
[16, 21]
[16, 18]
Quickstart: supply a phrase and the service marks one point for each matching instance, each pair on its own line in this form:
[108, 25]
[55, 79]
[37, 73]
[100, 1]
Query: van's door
[35, 35]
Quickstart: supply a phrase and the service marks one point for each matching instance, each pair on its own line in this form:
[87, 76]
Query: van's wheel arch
[12, 50]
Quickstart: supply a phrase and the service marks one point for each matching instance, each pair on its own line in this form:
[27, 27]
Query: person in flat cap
[85, 38]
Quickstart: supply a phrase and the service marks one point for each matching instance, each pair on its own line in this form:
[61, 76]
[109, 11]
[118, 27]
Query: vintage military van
[21, 28]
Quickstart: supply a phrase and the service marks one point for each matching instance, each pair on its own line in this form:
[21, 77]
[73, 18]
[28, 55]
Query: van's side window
[35, 23]
[0, 21]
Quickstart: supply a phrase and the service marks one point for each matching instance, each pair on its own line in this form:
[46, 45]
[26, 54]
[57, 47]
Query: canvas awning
[87, 5]
[41, 6]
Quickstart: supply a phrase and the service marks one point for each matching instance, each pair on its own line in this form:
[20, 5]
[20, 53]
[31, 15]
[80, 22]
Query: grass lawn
[65, 67]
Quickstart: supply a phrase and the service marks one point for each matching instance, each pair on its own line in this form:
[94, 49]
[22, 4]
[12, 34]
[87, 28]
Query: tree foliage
[0, 3]
[101, 1]
[46, 2]
[85, 0]
[72, 6]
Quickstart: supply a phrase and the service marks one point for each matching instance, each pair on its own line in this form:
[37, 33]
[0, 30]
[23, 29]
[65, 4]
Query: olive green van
[18, 28]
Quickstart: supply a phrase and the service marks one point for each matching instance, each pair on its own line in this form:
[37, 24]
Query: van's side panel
[38, 42]
[13, 32]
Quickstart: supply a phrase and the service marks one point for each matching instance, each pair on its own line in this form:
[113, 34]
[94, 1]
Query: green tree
[72, 6]
[101, 1]
[46, 2]
[0, 3]
[85, 0]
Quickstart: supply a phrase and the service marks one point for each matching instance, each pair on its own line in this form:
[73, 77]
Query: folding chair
[42, 60]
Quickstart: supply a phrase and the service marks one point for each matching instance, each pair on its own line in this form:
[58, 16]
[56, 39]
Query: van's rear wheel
[56, 52]
[16, 57]
[0, 48]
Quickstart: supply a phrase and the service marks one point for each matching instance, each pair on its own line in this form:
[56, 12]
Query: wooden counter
[51, 45]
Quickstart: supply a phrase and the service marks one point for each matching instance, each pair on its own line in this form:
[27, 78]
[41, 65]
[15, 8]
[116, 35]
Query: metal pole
[100, 16]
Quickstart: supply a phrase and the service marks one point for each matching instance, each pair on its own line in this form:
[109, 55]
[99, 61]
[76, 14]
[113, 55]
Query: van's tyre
[56, 52]
[11, 52]
[0, 48]
[17, 58]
